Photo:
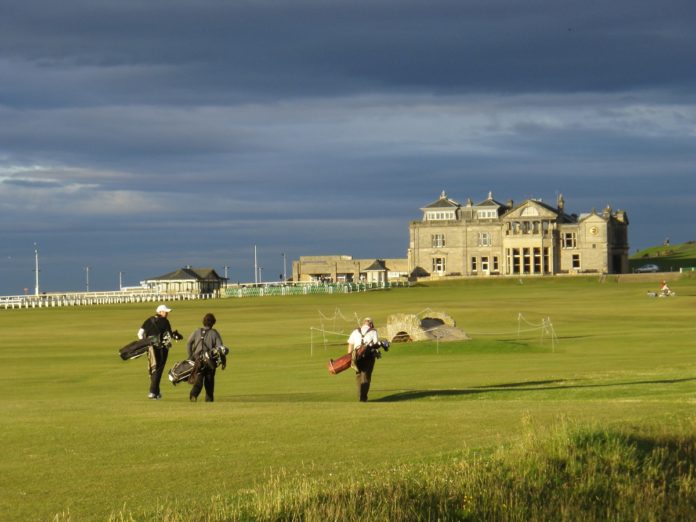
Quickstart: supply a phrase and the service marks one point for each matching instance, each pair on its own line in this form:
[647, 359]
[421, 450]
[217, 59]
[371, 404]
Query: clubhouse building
[188, 280]
[491, 238]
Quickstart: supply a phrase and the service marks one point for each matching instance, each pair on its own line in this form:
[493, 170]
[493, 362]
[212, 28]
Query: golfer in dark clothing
[158, 326]
[202, 341]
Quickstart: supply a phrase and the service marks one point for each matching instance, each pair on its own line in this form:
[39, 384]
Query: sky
[140, 137]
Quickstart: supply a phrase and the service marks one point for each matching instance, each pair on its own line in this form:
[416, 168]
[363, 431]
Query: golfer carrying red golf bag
[363, 365]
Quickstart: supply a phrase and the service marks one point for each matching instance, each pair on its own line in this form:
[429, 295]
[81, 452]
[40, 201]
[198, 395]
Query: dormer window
[439, 215]
[487, 214]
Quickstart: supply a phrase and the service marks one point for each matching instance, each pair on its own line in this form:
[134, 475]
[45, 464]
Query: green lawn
[82, 440]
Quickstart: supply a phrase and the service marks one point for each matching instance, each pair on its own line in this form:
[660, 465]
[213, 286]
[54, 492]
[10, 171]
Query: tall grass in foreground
[570, 474]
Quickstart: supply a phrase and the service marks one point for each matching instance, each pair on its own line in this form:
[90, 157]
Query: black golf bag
[185, 370]
[215, 357]
[137, 348]
[181, 371]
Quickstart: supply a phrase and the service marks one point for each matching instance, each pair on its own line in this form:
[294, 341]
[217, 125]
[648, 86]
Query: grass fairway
[81, 440]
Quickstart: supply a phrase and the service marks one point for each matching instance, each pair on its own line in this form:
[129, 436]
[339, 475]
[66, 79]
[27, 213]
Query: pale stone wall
[336, 268]
[600, 243]
[435, 326]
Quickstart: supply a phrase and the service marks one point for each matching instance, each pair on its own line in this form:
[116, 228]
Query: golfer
[203, 340]
[159, 326]
[363, 336]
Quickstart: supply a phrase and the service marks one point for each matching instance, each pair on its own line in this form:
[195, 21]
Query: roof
[183, 274]
[561, 216]
[377, 266]
[443, 202]
[490, 202]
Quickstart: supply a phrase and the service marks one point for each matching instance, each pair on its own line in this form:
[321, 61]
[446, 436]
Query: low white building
[187, 281]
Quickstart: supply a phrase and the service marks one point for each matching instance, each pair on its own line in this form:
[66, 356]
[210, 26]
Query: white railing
[308, 288]
[116, 297]
[90, 299]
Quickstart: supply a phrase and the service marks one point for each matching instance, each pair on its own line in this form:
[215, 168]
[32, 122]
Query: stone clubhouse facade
[490, 238]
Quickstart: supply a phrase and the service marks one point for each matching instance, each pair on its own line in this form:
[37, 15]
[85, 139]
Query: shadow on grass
[528, 386]
[520, 384]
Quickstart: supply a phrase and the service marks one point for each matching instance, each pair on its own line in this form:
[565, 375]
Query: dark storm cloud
[227, 52]
[306, 127]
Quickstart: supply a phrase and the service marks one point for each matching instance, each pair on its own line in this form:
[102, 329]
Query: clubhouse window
[440, 215]
[439, 264]
[437, 240]
[484, 264]
[569, 240]
[487, 214]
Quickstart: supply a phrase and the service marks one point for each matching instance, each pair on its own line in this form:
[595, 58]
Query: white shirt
[362, 336]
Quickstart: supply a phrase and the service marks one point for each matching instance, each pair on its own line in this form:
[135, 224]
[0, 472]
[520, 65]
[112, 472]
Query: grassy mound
[667, 257]
[571, 474]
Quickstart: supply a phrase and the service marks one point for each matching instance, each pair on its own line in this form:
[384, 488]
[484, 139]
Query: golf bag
[336, 366]
[181, 371]
[215, 357]
[140, 347]
[137, 348]
[186, 370]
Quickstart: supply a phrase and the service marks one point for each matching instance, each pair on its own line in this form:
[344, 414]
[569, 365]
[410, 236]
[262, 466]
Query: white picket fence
[91, 299]
[117, 297]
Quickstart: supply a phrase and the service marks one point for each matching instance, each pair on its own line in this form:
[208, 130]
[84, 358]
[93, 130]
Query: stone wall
[433, 326]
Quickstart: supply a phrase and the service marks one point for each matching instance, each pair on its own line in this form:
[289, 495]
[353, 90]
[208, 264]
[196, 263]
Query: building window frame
[487, 214]
[570, 240]
[437, 240]
[526, 260]
[439, 265]
[440, 215]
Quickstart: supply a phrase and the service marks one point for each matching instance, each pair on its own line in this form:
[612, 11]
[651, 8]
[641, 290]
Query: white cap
[163, 308]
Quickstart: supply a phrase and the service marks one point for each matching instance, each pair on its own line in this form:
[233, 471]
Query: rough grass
[568, 474]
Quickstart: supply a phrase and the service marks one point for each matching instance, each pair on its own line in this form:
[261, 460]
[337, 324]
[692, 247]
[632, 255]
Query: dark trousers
[364, 376]
[204, 378]
[157, 370]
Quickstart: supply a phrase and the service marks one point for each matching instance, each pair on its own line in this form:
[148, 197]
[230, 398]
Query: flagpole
[36, 269]
[256, 268]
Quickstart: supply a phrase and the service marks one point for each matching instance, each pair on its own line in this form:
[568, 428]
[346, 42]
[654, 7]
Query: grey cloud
[303, 127]
[188, 52]
[31, 184]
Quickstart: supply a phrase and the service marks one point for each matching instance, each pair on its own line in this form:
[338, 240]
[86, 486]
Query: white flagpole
[256, 268]
[36, 269]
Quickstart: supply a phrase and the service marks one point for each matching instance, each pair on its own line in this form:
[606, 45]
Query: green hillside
[670, 258]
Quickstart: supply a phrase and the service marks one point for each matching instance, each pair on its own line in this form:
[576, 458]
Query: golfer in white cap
[158, 326]
[364, 366]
